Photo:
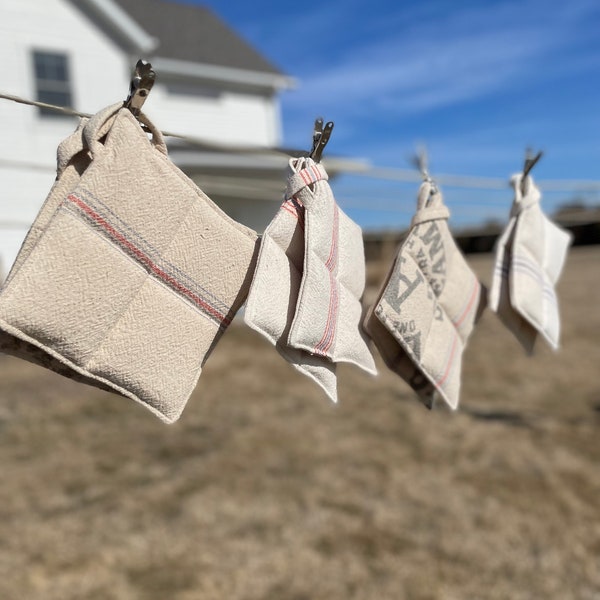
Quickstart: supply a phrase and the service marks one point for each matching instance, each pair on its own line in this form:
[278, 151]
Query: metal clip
[420, 162]
[321, 136]
[140, 86]
[530, 162]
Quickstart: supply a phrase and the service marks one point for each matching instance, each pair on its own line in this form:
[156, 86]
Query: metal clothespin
[140, 86]
[321, 135]
[420, 162]
[530, 162]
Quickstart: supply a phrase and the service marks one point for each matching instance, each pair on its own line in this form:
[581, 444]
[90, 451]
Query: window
[53, 85]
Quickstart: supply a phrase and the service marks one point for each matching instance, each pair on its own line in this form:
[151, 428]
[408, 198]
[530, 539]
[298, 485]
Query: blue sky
[477, 82]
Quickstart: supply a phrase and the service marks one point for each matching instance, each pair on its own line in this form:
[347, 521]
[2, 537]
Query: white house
[211, 84]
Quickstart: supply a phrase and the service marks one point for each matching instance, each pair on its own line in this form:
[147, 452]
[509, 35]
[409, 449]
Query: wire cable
[374, 172]
[208, 144]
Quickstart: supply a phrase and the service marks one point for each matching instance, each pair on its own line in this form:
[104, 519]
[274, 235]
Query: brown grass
[263, 490]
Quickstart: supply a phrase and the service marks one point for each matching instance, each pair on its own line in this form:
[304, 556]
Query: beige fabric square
[273, 295]
[130, 274]
[309, 278]
[72, 159]
[530, 255]
[427, 306]
[329, 311]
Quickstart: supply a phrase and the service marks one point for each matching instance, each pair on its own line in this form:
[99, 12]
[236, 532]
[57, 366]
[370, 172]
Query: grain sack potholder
[329, 311]
[309, 278]
[73, 158]
[273, 294]
[530, 255]
[135, 276]
[427, 306]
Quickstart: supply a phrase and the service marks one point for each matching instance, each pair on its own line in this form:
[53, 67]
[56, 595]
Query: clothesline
[212, 145]
[375, 172]
[469, 181]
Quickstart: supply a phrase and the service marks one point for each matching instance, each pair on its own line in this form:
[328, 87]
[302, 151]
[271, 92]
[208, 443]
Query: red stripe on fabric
[291, 209]
[146, 260]
[294, 206]
[332, 267]
[334, 237]
[303, 174]
[315, 172]
[330, 311]
[329, 333]
[466, 311]
[443, 378]
[325, 340]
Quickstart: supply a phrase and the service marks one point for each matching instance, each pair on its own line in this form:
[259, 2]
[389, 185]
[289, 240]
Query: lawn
[264, 490]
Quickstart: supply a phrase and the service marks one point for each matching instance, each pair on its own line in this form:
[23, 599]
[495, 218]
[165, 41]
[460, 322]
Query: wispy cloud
[404, 77]
[424, 63]
[477, 82]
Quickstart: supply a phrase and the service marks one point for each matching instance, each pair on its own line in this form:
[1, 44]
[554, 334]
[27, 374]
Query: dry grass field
[264, 490]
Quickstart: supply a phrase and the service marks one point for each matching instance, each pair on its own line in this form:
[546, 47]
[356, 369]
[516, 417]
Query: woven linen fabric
[329, 310]
[530, 255]
[273, 294]
[134, 276]
[72, 159]
[427, 306]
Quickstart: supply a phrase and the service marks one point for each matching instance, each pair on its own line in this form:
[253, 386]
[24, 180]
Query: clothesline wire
[62, 109]
[381, 173]
[191, 140]
[480, 183]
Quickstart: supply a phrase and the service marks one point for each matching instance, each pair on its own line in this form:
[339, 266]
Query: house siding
[100, 73]
[215, 114]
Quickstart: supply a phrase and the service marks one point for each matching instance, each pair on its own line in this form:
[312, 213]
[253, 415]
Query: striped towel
[530, 255]
[130, 275]
[310, 276]
[427, 306]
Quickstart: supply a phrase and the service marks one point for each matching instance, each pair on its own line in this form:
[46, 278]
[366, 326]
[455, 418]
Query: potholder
[273, 296]
[134, 277]
[329, 310]
[530, 255]
[427, 306]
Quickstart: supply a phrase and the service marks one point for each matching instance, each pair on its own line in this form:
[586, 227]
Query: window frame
[52, 80]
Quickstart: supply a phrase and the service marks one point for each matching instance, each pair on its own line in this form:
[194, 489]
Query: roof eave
[121, 24]
[232, 75]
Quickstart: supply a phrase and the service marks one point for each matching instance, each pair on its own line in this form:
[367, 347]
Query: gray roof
[196, 34]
